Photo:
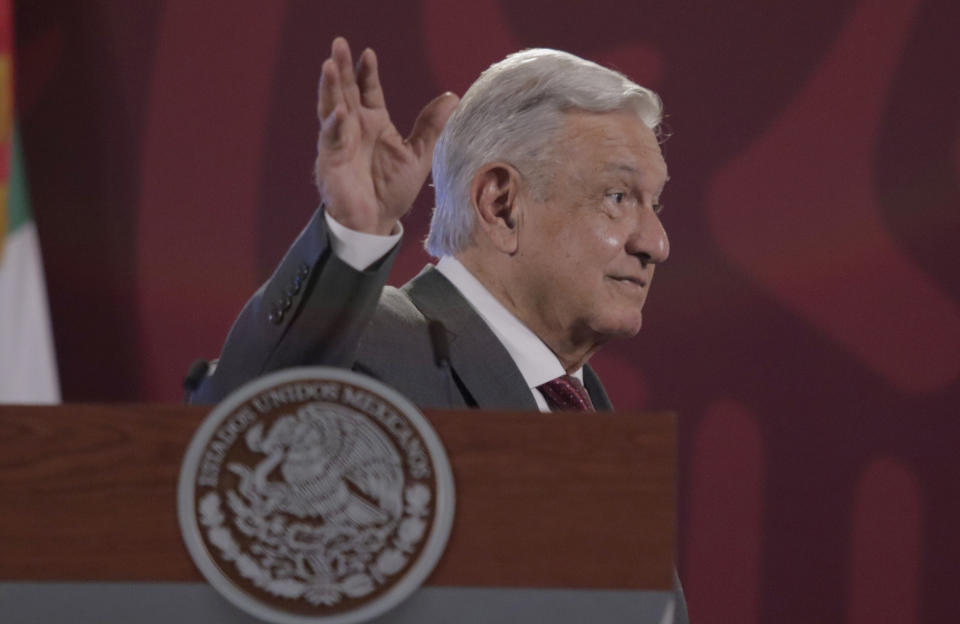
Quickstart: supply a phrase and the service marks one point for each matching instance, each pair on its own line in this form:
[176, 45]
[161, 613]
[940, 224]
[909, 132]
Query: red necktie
[567, 393]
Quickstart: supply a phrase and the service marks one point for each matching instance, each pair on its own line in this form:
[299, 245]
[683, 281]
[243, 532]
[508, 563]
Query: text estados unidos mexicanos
[226, 435]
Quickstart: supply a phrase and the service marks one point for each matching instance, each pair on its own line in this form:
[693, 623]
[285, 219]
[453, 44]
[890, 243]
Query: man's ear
[494, 194]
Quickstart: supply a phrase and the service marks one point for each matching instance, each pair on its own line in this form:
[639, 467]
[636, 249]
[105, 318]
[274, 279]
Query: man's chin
[623, 328]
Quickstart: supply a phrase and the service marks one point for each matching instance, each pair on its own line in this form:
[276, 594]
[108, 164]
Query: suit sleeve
[311, 311]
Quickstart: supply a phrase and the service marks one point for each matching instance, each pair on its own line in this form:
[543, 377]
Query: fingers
[340, 52]
[430, 123]
[331, 94]
[332, 133]
[338, 81]
[368, 80]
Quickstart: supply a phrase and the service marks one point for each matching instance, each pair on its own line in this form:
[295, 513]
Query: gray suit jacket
[317, 310]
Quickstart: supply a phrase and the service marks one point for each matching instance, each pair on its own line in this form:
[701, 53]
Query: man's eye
[657, 207]
[617, 196]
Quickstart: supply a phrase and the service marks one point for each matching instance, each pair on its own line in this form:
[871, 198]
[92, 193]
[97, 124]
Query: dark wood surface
[88, 492]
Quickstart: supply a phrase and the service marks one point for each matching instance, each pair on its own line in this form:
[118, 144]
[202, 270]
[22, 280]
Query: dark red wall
[806, 328]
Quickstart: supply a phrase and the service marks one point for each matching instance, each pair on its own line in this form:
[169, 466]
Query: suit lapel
[595, 389]
[476, 355]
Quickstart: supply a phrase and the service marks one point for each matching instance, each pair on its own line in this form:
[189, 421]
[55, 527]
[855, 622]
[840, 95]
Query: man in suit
[548, 177]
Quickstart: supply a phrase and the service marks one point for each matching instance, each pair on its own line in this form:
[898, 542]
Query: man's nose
[649, 241]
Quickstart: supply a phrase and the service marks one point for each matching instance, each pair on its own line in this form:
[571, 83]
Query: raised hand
[367, 174]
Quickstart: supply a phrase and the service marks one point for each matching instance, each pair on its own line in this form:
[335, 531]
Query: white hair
[512, 113]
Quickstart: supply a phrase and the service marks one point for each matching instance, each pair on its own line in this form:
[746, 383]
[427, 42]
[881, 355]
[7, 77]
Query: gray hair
[513, 112]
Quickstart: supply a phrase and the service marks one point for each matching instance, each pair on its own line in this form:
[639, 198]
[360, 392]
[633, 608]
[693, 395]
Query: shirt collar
[537, 363]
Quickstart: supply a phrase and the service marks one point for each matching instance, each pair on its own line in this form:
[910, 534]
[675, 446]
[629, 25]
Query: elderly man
[548, 177]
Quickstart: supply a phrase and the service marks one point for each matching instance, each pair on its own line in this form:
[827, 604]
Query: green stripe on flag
[18, 198]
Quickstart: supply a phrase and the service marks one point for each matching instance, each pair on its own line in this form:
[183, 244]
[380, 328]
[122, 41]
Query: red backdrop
[806, 328]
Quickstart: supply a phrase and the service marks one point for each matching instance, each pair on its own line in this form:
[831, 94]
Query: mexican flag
[28, 369]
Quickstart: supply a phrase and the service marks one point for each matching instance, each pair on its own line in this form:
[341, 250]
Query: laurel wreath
[319, 563]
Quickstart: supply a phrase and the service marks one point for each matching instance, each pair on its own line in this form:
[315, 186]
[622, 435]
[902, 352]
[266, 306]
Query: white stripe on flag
[28, 371]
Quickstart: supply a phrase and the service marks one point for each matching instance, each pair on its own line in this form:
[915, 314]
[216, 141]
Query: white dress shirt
[537, 363]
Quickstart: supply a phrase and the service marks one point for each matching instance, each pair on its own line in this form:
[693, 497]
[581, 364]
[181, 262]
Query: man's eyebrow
[621, 167]
[628, 169]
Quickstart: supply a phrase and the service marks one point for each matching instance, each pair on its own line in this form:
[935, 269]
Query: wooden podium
[553, 507]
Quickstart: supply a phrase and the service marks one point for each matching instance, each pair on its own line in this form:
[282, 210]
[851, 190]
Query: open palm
[368, 175]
